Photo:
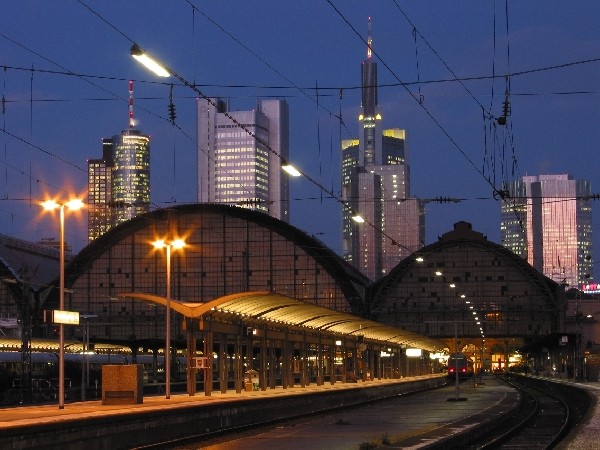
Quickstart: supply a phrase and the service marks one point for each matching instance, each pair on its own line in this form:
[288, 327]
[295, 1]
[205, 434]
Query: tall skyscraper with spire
[237, 168]
[376, 186]
[547, 220]
[119, 182]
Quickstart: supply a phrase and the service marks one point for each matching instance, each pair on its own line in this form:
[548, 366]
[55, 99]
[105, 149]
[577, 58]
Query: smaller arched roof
[272, 309]
[464, 237]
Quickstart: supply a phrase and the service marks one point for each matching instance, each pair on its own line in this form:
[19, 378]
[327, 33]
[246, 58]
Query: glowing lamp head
[159, 243]
[149, 62]
[49, 205]
[73, 204]
[178, 243]
[291, 170]
[175, 244]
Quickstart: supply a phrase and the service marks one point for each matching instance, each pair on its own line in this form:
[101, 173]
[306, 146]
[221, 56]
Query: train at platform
[460, 363]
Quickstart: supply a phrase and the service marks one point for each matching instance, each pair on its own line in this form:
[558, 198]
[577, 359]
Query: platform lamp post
[175, 244]
[51, 205]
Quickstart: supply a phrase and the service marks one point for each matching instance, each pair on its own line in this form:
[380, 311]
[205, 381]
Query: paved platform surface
[40, 414]
[481, 398]
[432, 419]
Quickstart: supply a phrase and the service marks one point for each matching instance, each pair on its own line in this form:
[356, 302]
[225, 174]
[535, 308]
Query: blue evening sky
[65, 66]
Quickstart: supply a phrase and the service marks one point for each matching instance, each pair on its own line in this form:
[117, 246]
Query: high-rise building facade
[547, 220]
[376, 186]
[100, 192]
[238, 168]
[119, 182]
[130, 175]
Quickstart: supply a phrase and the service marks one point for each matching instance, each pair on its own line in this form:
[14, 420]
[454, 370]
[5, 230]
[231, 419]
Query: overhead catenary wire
[323, 89]
[421, 105]
[323, 93]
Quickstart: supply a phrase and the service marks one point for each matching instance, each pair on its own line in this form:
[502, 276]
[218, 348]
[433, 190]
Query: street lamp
[147, 60]
[290, 169]
[176, 244]
[51, 205]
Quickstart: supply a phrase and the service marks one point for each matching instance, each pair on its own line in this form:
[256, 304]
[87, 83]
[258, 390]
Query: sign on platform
[58, 316]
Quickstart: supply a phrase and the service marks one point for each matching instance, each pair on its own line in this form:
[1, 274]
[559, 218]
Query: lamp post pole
[168, 331]
[50, 205]
[61, 306]
[175, 244]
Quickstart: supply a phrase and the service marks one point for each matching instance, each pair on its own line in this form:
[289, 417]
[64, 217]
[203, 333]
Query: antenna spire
[369, 42]
[130, 103]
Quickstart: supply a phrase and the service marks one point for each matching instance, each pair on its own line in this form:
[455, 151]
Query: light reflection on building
[547, 220]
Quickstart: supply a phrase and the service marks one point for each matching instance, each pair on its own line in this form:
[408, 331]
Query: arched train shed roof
[278, 310]
[464, 237]
[350, 280]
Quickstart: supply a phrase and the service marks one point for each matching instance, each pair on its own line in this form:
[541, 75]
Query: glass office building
[547, 220]
[239, 168]
[119, 182]
[376, 185]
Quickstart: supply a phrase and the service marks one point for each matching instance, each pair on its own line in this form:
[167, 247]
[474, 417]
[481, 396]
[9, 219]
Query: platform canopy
[276, 310]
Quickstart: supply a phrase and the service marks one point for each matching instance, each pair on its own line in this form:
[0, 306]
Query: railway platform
[485, 402]
[448, 414]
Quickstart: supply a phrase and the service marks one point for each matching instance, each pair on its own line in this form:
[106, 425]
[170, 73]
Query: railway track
[541, 422]
[544, 418]
[530, 419]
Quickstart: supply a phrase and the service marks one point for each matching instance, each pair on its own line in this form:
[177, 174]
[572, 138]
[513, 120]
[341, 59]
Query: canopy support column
[239, 376]
[263, 360]
[191, 326]
[332, 368]
[320, 375]
[223, 363]
[208, 353]
[303, 362]
[285, 362]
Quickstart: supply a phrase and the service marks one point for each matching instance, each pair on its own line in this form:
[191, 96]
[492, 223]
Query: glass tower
[130, 175]
[119, 182]
[376, 185]
[547, 220]
[237, 168]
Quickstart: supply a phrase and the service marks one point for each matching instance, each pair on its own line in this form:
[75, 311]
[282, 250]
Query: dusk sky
[66, 66]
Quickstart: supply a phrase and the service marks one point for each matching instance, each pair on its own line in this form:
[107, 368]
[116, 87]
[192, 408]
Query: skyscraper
[237, 168]
[119, 182]
[376, 186]
[547, 220]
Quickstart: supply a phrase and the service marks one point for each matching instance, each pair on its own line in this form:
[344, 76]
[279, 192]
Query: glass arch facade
[462, 277]
[229, 250]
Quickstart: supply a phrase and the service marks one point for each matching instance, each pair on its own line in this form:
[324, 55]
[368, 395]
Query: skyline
[552, 112]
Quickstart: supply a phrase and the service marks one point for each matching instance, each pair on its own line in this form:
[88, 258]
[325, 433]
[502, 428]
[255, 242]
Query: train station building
[313, 316]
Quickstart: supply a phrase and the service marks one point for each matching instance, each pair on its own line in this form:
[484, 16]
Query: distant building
[100, 192]
[239, 169]
[119, 182]
[547, 220]
[130, 175]
[376, 186]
